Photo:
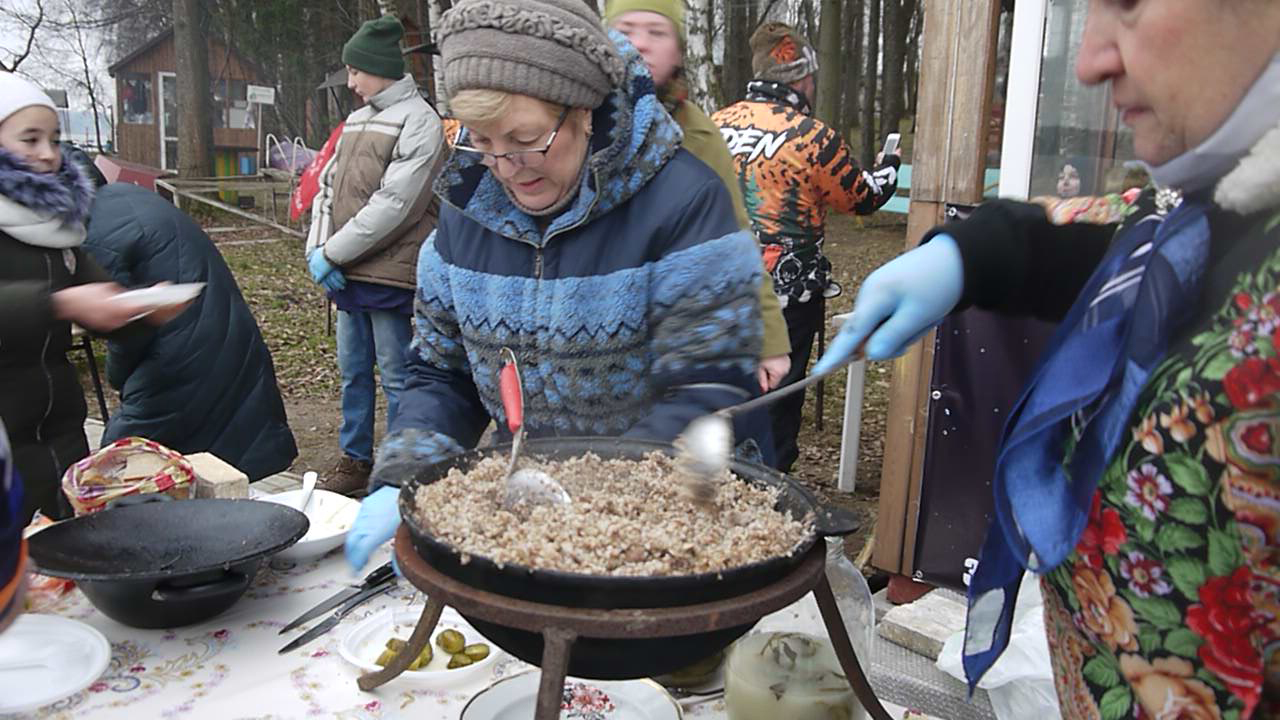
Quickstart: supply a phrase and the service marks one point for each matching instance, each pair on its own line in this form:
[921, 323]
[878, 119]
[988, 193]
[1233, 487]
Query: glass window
[171, 155]
[1080, 146]
[239, 114]
[135, 99]
[220, 102]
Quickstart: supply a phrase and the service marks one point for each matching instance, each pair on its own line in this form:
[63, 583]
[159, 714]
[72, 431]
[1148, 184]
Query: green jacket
[702, 138]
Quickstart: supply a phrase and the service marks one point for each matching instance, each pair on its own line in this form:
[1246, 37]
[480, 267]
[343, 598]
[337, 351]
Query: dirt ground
[293, 316]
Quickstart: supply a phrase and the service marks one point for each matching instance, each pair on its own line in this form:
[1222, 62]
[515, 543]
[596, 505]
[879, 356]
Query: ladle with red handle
[527, 486]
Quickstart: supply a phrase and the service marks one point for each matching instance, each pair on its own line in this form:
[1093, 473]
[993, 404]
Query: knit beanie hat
[554, 50]
[17, 92]
[375, 48]
[778, 53]
[672, 10]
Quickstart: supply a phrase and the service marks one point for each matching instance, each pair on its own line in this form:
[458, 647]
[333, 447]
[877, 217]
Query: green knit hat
[375, 48]
[672, 10]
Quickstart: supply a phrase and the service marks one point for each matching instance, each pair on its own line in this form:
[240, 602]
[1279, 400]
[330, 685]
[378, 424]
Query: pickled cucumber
[451, 641]
[395, 646]
[459, 660]
[476, 651]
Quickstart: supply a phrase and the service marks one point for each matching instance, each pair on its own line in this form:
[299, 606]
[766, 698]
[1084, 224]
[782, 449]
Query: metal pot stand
[561, 627]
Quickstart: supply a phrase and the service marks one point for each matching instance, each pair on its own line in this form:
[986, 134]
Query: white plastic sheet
[1020, 683]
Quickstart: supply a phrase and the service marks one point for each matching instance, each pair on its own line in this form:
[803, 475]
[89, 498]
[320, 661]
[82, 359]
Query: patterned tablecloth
[228, 668]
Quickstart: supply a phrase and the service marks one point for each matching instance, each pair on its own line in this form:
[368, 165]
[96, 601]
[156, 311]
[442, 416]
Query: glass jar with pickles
[787, 675]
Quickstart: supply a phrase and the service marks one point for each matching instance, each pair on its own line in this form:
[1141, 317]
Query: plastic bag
[129, 466]
[309, 184]
[43, 591]
[1020, 683]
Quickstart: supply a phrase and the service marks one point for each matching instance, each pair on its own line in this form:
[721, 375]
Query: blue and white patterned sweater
[634, 312]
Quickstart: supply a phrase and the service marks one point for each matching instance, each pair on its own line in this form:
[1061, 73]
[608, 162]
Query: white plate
[515, 698]
[162, 296]
[76, 655]
[331, 516]
[362, 646]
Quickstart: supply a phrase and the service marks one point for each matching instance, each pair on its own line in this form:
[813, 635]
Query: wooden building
[146, 106]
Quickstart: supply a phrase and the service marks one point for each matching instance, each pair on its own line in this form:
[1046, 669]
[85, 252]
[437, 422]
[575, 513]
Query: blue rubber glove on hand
[399, 456]
[375, 524]
[909, 294]
[324, 272]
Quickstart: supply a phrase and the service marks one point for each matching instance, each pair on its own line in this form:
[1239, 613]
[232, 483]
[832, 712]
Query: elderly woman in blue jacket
[575, 230]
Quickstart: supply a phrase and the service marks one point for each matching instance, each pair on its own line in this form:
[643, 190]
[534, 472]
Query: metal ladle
[705, 446]
[526, 486]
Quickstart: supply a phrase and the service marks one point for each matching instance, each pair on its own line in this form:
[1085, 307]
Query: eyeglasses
[519, 158]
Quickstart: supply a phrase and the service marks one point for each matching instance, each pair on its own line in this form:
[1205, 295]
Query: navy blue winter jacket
[634, 312]
[11, 518]
[205, 381]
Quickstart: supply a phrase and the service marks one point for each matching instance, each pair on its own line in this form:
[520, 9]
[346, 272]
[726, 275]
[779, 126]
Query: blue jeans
[364, 337]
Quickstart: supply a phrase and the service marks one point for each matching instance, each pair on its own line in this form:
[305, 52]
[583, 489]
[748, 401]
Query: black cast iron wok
[612, 659]
[149, 563]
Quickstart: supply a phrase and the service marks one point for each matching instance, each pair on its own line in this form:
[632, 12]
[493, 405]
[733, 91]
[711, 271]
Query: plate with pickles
[456, 655]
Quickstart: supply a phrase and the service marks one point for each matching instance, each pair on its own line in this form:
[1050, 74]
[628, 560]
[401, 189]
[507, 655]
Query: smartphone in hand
[890, 145]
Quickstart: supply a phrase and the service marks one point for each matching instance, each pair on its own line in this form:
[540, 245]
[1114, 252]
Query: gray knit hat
[554, 50]
[778, 53]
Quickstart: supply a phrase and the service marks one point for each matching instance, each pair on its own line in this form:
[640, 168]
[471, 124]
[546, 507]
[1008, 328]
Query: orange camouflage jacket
[794, 169]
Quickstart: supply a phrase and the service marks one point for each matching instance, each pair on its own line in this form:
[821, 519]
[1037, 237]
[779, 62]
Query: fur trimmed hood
[1254, 184]
[44, 209]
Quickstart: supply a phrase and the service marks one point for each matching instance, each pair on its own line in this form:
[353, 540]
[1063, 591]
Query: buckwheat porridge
[627, 517]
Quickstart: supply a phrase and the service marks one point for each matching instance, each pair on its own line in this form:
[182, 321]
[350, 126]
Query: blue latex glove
[324, 272]
[376, 522]
[399, 456]
[909, 294]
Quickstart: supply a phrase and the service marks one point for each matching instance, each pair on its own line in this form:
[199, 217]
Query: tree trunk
[429, 60]
[828, 103]
[436, 8]
[809, 27]
[913, 60]
[195, 126]
[853, 21]
[697, 58]
[871, 55]
[737, 53]
[895, 40]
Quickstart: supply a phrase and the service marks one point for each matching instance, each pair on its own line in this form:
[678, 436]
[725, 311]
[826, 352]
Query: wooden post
[957, 76]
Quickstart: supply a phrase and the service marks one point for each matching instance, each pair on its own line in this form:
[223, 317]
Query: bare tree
[852, 66]
[698, 57]
[913, 59]
[195, 126]
[828, 105]
[871, 54]
[72, 57]
[737, 52]
[897, 21]
[436, 8]
[29, 25]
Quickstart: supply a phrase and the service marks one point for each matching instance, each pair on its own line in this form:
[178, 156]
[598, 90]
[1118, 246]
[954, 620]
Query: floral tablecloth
[228, 668]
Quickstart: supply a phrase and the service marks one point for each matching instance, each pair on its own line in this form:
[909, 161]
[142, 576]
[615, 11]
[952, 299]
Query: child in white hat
[47, 282]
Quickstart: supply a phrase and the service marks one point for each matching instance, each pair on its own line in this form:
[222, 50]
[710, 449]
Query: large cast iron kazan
[613, 659]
